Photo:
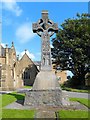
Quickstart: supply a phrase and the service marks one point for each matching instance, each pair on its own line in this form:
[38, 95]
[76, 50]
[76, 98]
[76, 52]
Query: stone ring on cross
[45, 25]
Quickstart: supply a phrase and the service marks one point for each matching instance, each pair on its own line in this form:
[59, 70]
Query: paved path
[45, 114]
[5, 92]
[70, 94]
[49, 112]
[77, 94]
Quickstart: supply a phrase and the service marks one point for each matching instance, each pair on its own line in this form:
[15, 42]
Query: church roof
[37, 63]
[25, 57]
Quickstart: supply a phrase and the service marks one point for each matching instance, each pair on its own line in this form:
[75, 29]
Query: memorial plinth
[46, 89]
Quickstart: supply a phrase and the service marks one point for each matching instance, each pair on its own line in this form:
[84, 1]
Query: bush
[75, 83]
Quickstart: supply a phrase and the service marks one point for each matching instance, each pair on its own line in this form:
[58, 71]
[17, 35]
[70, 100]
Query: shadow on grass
[19, 97]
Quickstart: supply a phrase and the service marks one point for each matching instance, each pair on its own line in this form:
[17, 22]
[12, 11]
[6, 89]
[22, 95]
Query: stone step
[45, 114]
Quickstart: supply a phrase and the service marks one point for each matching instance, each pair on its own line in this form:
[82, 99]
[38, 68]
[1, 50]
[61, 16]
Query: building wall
[61, 75]
[13, 69]
[2, 60]
[22, 65]
[7, 61]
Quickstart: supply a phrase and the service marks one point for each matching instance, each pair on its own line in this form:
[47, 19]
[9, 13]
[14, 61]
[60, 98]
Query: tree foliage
[72, 46]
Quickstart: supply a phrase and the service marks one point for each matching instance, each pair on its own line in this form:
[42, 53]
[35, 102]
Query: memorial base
[43, 98]
[46, 91]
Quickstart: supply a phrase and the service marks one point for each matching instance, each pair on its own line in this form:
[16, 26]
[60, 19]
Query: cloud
[11, 5]
[24, 32]
[3, 45]
[30, 55]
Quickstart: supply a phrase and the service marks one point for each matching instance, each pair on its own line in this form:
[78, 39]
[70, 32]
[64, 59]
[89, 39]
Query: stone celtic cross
[45, 28]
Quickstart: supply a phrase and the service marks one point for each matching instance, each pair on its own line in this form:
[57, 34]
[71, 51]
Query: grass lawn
[13, 113]
[11, 97]
[10, 113]
[73, 114]
[75, 90]
[28, 87]
[83, 101]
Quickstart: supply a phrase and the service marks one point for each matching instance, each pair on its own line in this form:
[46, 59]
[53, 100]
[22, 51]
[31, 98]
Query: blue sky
[17, 19]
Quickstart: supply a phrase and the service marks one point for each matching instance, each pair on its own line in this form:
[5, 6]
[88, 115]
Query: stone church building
[15, 73]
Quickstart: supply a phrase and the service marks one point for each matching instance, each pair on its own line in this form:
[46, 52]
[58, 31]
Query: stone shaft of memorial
[45, 28]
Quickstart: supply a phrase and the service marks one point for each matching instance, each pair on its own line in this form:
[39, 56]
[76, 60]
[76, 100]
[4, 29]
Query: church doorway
[26, 76]
[29, 74]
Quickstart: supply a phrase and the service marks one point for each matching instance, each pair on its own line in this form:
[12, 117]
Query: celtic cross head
[45, 24]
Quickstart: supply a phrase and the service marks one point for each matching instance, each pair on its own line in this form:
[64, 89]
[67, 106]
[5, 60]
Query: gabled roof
[26, 57]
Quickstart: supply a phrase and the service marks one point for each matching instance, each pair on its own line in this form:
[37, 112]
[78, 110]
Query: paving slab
[19, 105]
[76, 94]
[45, 114]
[48, 112]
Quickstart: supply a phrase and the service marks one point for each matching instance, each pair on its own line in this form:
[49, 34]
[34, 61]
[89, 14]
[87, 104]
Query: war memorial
[46, 89]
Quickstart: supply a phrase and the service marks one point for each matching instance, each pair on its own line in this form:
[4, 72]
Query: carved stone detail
[45, 28]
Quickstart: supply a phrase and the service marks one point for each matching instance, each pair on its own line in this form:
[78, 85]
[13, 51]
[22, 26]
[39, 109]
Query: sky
[17, 19]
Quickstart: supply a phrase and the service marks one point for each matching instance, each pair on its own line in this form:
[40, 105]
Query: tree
[72, 47]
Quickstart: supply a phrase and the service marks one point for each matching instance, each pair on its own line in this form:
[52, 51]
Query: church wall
[12, 70]
[7, 79]
[3, 76]
[2, 60]
[22, 65]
